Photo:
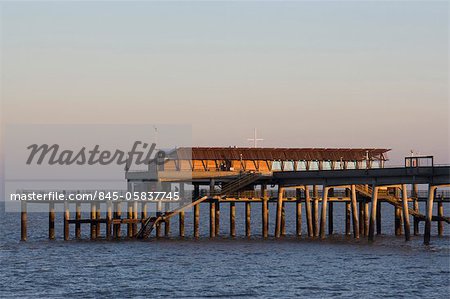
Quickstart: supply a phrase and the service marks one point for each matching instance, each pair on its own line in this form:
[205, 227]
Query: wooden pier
[251, 180]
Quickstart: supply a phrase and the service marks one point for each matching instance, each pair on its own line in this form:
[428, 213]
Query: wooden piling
[309, 220]
[416, 208]
[232, 219]
[196, 212]
[347, 218]
[196, 221]
[316, 210]
[78, 217]
[427, 234]
[366, 218]
[279, 212]
[354, 213]
[406, 212]
[158, 214]
[440, 223]
[66, 221]
[379, 218]
[373, 214]
[265, 212]
[23, 221]
[109, 215]
[182, 213]
[51, 221]
[247, 219]
[398, 221]
[117, 215]
[330, 218]
[217, 226]
[129, 217]
[298, 218]
[97, 224]
[212, 219]
[93, 222]
[181, 224]
[167, 221]
[144, 212]
[135, 218]
[323, 216]
[361, 217]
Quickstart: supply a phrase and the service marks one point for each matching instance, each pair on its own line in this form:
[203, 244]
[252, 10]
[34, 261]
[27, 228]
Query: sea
[224, 267]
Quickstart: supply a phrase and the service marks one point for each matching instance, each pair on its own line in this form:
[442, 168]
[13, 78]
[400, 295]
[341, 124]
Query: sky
[305, 74]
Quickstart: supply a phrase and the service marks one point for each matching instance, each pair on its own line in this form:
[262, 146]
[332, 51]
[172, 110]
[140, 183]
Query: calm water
[338, 266]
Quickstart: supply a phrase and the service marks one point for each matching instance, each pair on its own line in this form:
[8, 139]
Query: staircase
[239, 183]
[150, 222]
[397, 203]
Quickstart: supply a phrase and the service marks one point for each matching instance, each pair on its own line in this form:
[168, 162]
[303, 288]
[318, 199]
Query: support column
[78, 217]
[366, 218]
[66, 221]
[182, 213]
[309, 220]
[279, 212]
[427, 235]
[373, 214]
[398, 221]
[196, 211]
[51, 221]
[323, 216]
[117, 215]
[330, 218]
[181, 224]
[247, 219]
[167, 221]
[416, 208]
[298, 217]
[379, 218]
[98, 217]
[347, 218]
[109, 215]
[355, 213]
[129, 217]
[143, 212]
[93, 223]
[23, 221]
[440, 223]
[265, 212]
[135, 217]
[316, 210]
[232, 219]
[196, 220]
[283, 219]
[217, 217]
[212, 219]
[158, 214]
[406, 212]
[361, 217]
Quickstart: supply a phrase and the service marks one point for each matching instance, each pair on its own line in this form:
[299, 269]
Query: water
[174, 268]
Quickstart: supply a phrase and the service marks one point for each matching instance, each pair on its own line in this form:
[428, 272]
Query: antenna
[255, 139]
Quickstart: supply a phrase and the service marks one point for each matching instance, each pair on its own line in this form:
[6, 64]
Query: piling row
[359, 219]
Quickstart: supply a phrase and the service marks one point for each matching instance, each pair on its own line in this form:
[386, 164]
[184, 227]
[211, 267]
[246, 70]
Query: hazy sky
[306, 74]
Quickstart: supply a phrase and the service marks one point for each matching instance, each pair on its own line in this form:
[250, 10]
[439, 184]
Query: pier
[313, 180]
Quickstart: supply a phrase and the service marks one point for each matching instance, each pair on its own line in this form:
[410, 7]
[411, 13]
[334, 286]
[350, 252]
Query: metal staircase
[239, 183]
[150, 222]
